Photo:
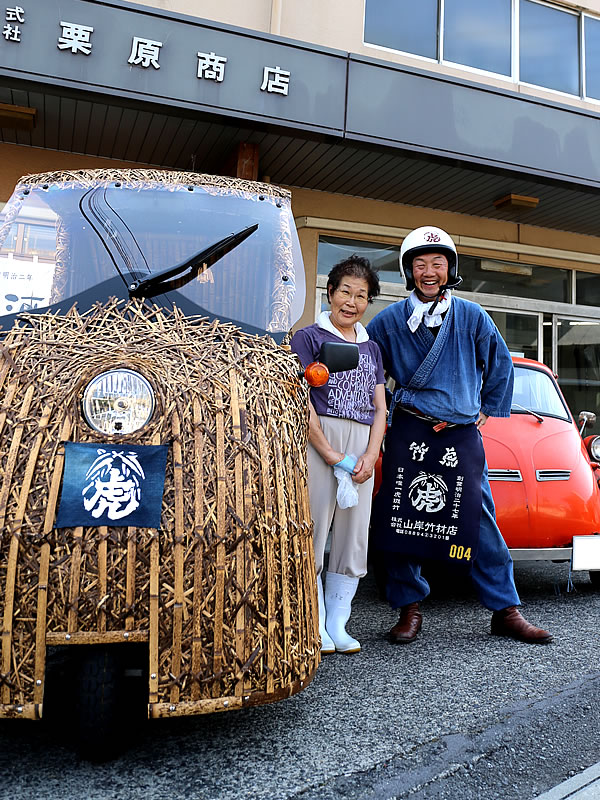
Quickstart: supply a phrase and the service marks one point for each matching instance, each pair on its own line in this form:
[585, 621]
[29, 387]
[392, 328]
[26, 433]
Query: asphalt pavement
[459, 714]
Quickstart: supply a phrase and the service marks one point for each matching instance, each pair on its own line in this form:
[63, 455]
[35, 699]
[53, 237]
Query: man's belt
[437, 424]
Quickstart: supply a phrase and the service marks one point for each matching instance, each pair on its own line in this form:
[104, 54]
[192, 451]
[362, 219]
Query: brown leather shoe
[406, 629]
[510, 622]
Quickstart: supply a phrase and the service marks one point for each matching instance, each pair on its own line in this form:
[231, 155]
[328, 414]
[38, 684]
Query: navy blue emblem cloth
[115, 485]
[429, 502]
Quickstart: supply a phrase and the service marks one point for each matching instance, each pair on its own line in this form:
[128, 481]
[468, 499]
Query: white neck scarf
[420, 310]
[359, 329]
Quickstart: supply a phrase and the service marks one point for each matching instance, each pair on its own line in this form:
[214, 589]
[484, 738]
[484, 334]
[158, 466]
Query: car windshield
[535, 390]
[60, 239]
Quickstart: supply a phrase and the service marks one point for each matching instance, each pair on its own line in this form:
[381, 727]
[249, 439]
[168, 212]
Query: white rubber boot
[327, 645]
[339, 591]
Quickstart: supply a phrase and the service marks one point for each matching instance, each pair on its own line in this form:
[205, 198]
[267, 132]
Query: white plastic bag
[347, 491]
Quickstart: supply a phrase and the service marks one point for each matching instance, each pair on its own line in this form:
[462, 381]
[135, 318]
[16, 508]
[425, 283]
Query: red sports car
[544, 477]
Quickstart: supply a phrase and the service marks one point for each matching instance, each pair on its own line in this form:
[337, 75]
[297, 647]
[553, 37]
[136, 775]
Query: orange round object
[316, 374]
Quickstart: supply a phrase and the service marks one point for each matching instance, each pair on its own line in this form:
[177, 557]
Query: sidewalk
[585, 786]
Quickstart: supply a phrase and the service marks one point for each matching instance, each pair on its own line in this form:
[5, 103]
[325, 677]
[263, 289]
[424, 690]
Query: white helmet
[429, 240]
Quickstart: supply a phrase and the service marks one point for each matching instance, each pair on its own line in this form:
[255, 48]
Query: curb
[585, 786]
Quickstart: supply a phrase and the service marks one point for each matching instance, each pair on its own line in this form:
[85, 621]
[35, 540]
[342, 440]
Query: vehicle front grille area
[223, 595]
[553, 474]
[505, 475]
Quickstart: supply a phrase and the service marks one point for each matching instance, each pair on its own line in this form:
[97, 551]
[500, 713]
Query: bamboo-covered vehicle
[143, 309]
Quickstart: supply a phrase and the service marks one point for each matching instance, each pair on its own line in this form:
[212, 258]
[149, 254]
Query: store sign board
[431, 113]
[140, 52]
[25, 283]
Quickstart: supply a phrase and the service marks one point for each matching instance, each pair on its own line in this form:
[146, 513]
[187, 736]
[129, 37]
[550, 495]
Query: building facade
[480, 117]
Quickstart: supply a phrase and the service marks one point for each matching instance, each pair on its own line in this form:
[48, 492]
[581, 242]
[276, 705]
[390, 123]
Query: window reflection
[579, 363]
[588, 288]
[519, 331]
[535, 391]
[478, 34]
[384, 258]
[480, 275]
[481, 35]
[403, 25]
[549, 47]
[592, 57]
[517, 280]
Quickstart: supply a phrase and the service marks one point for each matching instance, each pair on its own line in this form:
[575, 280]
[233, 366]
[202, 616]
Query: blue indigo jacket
[452, 376]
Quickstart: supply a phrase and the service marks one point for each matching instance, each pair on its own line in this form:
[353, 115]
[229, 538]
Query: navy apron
[429, 502]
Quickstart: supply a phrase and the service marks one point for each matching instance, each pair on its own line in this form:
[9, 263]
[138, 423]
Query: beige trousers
[350, 530]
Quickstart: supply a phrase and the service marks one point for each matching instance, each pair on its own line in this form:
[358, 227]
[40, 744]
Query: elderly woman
[347, 416]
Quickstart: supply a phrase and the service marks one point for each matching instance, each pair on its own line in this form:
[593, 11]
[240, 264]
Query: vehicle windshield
[535, 391]
[61, 239]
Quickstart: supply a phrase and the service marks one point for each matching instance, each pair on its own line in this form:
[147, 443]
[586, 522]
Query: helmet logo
[430, 236]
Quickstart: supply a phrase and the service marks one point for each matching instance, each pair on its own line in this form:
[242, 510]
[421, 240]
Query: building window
[592, 57]
[531, 41]
[478, 34]
[485, 276]
[385, 258]
[520, 332]
[549, 47]
[31, 240]
[587, 288]
[403, 25]
[480, 275]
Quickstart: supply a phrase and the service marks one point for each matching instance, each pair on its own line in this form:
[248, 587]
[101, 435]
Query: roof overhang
[331, 120]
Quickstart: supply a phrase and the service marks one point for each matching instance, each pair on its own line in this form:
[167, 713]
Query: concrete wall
[253, 14]
[16, 161]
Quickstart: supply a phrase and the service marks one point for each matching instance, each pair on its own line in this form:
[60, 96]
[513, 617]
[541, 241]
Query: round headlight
[118, 401]
[594, 448]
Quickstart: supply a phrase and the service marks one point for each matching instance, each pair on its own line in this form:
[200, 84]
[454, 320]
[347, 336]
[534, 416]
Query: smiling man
[452, 371]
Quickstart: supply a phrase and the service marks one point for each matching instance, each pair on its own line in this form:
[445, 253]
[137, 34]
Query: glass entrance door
[522, 331]
[577, 362]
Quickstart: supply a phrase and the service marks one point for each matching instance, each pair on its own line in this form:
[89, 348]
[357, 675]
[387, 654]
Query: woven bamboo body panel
[224, 593]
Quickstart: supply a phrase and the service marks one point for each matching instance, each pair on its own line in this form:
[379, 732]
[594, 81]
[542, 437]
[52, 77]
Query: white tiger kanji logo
[428, 492]
[115, 480]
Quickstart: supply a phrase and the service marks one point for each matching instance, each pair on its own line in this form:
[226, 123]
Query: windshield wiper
[114, 233]
[175, 277]
[529, 411]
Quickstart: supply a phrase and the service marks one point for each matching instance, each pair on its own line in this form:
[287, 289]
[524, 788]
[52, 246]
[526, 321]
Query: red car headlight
[593, 447]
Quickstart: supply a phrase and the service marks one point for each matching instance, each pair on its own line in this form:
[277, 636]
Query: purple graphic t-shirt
[350, 394]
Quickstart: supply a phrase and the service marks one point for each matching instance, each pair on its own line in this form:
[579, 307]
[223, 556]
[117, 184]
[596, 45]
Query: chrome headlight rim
[594, 448]
[121, 402]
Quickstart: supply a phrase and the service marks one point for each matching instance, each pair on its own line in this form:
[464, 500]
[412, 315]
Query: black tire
[595, 578]
[99, 690]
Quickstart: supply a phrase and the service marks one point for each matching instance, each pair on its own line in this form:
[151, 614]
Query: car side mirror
[586, 418]
[339, 356]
